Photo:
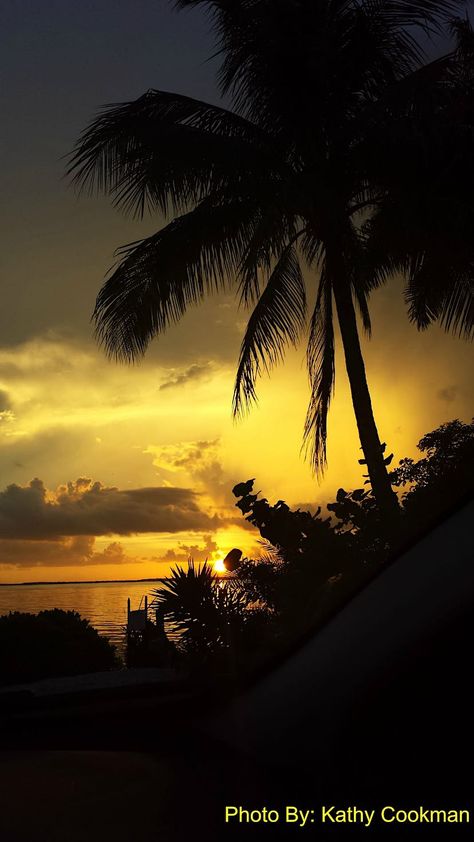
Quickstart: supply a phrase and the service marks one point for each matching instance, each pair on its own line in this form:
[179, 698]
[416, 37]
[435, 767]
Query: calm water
[104, 604]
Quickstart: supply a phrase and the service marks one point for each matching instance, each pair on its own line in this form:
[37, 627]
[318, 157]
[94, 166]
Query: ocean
[103, 603]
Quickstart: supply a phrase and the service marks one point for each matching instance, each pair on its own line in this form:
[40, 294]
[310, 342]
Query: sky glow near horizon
[154, 445]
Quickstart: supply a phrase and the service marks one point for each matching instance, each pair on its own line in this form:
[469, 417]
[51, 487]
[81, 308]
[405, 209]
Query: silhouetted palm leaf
[159, 277]
[320, 362]
[422, 226]
[166, 151]
[278, 319]
[201, 607]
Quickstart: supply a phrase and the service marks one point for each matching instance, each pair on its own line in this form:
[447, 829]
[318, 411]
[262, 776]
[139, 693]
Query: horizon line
[90, 581]
[81, 581]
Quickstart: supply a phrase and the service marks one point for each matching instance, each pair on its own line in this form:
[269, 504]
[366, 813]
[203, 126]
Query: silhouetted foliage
[212, 615]
[303, 539]
[315, 563]
[422, 149]
[368, 533]
[449, 452]
[259, 578]
[285, 529]
[443, 477]
[310, 565]
[311, 560]
[51, 643]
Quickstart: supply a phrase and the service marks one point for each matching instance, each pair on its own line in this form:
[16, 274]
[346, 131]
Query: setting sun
[219, 566]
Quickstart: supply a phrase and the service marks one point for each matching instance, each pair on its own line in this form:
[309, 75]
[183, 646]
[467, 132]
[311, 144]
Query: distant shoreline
[89, 582]
[81, 582]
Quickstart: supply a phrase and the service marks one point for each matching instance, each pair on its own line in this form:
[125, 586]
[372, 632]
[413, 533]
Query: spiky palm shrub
[206, 613]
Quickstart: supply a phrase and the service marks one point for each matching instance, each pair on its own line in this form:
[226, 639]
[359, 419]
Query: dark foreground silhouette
[349, 729]
[51, 643]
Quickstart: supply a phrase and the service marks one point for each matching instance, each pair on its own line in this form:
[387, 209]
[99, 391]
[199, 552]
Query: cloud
[194, 372]
[194, 551]
[201, 461]
[448, 394]
[89, 508]
[312, 508]
[66, 552]
[46, 355]
[49, 428]
[5, 403]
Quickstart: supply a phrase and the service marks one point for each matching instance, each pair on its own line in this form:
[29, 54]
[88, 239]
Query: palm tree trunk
[368, 434]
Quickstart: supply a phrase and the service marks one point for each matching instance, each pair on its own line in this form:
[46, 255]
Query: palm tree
[205, 612]
[423, 226]
[287, 175]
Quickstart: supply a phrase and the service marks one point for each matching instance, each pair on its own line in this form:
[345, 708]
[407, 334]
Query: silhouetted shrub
[51, 643]
[442, 478]
[314, 564]
[311, 565]
[214, 617]
[363, 525]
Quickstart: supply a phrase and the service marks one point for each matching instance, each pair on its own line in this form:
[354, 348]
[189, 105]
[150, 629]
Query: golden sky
[111, 471]
[156, 451]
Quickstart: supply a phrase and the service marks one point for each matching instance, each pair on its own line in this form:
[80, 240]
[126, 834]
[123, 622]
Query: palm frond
[423, 230]
[312, 248]
[423, 297]
[201, 607]
[275, 228]
[461, 29]
[428, 14]
[277, 320]
[278, 58]
[361, 298]
[159, 277]
[187, 601]
[320, 362]
[437, 290]
[165, 151]
[462, 69]
[457, 314]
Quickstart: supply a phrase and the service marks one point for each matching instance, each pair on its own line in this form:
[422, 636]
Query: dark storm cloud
[448, 394]
[89, 508]
[65, 552]
[194, 372]
[5, 403]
